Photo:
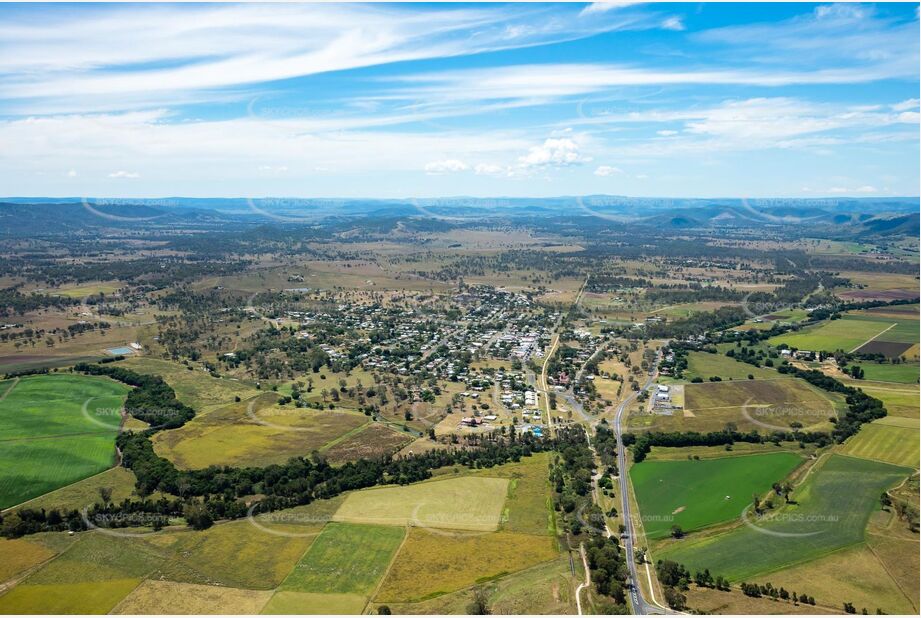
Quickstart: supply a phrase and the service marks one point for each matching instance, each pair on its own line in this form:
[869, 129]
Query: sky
[435, 100]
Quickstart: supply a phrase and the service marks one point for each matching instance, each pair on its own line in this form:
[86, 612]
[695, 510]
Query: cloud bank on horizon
[391, 100]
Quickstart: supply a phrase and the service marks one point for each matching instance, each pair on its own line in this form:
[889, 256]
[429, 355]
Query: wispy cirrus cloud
[153, 54]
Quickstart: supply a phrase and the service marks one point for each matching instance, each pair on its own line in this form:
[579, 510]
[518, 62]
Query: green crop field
[705, 365]
[86, 492]
[464, 503]
[345, 559]
[844, 334]
[49, 439]
[832, 508]
[906, 373]
[886, 442]
[693, 494]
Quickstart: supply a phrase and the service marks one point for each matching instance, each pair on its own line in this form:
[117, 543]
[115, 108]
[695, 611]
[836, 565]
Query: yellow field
[81, 598]
[435, 562]
[900, 400]
[853, 575]
[888, 443]
[543, 589]
[235, 554]
[254, 434]
[88, 289]
[289, 602]
[711, 601]
[163, 597]
[899, 421]
[20, 555]
[463, 503]
[896, 548]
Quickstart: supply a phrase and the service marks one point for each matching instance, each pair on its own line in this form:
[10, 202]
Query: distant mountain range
[859, 216]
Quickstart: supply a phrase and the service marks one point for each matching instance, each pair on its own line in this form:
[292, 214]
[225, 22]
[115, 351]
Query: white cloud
[445, 167]
[273, 169]
[666, 132]
[553, 152]
[72, 174]
[866, 189]
[607, 170]
[603, 7]
[134, 56]
[215, 153]
[124, 174]
[673, 23]
[487, 169]
[906, 105]
[542, 83]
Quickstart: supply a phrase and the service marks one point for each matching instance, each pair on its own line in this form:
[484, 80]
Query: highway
[639, 602]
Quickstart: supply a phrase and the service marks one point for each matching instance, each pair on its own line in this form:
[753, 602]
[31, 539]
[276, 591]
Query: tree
[383, 610]
[197, 516]
[479, 606]
[105, 493]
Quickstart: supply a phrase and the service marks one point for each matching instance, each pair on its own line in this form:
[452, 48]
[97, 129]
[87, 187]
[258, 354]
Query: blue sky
[397, 100]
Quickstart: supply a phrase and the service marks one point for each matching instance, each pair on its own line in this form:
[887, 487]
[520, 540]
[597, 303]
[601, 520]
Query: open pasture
[346, 559]
[195, 388]
[844, 334]
[855, 332]
[255, 433]
[90, 577]
[901, 400]
[236, 554]
[451, 561]
[752, 404]
[903, 373]
[704, 365]
[20, 555]
[165, 597]
[462, 503]
[527, 507]
[370, 441]
[86, 492]
[693, 494]
[289, 602]
[887, 443]
[853, 574]
[55, 429]
[543, 589]
[831, 510]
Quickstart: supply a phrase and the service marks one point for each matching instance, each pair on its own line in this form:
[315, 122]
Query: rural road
[640, 604]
